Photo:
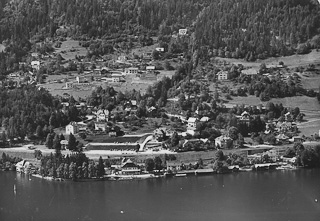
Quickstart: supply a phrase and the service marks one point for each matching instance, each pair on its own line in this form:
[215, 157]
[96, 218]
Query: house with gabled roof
[223, 75]
[72, 128]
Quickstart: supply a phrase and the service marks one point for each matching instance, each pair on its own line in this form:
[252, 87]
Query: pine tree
[49, 141]
[57, 145]
[72, 144]
[100, 168]
[39, 131]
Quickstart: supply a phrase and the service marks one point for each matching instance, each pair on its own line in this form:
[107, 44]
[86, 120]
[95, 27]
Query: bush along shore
[8, 163]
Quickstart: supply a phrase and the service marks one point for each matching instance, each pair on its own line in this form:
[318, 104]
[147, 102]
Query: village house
[282, 138]
[160, 49]
[100, 126]
[35, 65]
[34, 54]
[223, 142]
[112, 133]
[222, 75]
[129, 168]
[64, 144]
[160, 133]
[151, 69]
[122, 58]
[72, 128]
[102, 115]
[147, 56]
[244, 117]
[288, 117]
[194, 141]
[204, 119]
[173, 166]
[69, 85]
[296, 139]
[131, 70]
[116, 77]
[192, 123]
[81, 79]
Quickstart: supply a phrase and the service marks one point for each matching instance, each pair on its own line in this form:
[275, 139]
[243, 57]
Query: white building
[192, 123]
[35, 65]
[160, 49]
[100, 126]
[72, 127]
[131, 70]
[182, 31]
[223, 75]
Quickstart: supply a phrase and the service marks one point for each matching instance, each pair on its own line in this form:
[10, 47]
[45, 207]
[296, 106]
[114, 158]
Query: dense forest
[227, 28]
[28, 111]
[257, 29]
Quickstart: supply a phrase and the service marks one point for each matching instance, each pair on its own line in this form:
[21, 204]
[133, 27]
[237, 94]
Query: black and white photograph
[162, 110]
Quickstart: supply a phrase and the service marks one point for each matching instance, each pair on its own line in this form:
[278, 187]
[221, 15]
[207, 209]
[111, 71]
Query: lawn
[290, 61]
[310, 81]
[70, 48]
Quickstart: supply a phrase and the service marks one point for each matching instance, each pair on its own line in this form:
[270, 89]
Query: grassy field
[70, 48]
[290, 61]
[310, 80]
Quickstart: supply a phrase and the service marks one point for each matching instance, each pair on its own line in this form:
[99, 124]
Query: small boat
[181, 175]
[286, 167]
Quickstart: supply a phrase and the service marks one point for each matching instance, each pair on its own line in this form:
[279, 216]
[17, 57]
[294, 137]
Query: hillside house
[151, 69]
[288, 117]
[122, 58]
[72, 128]
[160, 133]
[244, 117]
[102, 115]
[204, 119]
[160, 49]
[223, 75]
[35, 65]
[64, 144]
[100, 126]
[81, 79]
[131, 70]
[192, 123]
[223, 142]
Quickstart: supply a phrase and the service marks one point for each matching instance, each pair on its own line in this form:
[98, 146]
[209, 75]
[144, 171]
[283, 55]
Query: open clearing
[290, 61]
[2, 47]
[70, 48]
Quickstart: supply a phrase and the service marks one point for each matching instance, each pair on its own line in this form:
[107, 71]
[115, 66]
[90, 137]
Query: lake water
[277, 195]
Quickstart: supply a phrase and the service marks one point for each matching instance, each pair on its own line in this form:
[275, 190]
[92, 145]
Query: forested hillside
[257, 29]
[29, 111]
[247, 29]
[94, 18]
